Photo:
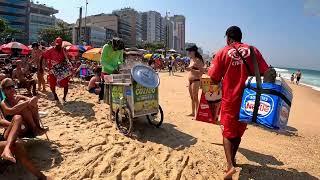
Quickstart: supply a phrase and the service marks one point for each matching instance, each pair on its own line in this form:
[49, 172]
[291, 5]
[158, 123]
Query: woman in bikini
[12, 149]
[196, 69]
[14, 104]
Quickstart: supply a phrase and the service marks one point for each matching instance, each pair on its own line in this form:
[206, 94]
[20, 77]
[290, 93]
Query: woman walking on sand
[196, 69]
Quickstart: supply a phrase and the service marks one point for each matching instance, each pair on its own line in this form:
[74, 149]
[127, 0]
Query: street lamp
[167, 35]
[85, 23]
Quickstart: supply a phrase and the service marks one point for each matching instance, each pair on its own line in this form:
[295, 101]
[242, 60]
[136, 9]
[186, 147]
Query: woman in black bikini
[196, 70]
[12, 150]
[20, 105]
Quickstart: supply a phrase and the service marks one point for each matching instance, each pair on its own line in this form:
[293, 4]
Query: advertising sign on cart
[117, 95]
[145, 100]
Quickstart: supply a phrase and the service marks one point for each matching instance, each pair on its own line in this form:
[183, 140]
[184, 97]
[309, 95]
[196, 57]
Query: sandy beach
[84, 143]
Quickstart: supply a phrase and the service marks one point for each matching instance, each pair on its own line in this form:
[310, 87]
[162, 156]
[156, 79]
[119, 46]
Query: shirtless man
[38, 62]
[196, 69]
[21, 75]
[93, 86]
[298, 76]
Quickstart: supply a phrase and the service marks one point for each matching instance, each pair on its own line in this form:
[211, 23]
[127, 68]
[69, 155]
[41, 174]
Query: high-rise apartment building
[169, 33]
[16, 13]
[179, 32]
[112, 23]
[134, 19]
[151, 25]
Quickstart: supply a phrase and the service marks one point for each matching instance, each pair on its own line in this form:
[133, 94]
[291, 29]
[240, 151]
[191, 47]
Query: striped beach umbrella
[8, 48]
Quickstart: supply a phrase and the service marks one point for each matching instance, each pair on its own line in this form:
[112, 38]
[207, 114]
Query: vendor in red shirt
[58, 66]
[227, 67]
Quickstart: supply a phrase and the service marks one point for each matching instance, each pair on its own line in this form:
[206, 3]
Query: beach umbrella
[93, 54]
[72, 50]
[172, 51]
[147, 56]
[1, 47]
[88, 48]
[7, 48]
[26, 51]
[66, 43]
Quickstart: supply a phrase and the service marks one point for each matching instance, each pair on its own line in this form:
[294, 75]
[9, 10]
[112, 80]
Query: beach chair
[83, 74]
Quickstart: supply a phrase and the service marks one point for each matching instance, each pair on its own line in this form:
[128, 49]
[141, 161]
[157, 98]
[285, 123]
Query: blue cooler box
[273, 110]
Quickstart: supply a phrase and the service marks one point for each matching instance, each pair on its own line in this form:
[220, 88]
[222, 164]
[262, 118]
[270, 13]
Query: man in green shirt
[112, 56]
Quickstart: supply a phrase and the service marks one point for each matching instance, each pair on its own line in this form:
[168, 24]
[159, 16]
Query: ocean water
[309, 78]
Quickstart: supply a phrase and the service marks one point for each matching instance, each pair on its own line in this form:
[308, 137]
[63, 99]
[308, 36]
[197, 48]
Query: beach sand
[84, 143]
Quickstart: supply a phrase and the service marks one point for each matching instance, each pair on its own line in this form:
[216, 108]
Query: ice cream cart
[134, 94]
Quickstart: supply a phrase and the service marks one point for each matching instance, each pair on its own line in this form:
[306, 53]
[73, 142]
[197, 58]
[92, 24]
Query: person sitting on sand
[94, 83]
[13, 150]
[24, 80]
[229, 68]
[14, 104]
[12, 129]
[196, 70]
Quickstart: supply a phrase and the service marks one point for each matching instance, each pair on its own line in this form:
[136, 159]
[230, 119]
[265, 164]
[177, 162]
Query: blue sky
[287, 32]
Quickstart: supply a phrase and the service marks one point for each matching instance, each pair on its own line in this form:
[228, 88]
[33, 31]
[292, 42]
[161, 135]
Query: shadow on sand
[263, 170]
[78, 108]
[44, 154]
[250, 171]
[288, 131]
[167, 135]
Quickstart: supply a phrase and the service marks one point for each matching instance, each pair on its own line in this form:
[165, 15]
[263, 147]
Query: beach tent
[93, 54]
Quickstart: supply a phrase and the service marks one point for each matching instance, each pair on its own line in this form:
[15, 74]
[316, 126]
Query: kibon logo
[245, 52]
[265, 108]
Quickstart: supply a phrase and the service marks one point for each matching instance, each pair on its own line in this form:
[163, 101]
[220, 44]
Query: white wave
[279, 70]
[311, 86]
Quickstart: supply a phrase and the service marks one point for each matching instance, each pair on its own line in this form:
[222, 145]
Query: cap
[58, 41]
[192, 48]
[234, 32]
[7, 82]
[117, 43]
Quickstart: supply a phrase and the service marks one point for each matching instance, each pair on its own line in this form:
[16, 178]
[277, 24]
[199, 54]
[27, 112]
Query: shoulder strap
[258, 82]
[258, 79]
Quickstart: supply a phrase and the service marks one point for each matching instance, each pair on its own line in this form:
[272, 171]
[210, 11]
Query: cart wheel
[156, 119]
[124, 121]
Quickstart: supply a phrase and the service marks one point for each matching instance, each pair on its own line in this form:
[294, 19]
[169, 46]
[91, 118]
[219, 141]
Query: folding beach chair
[83, 74]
